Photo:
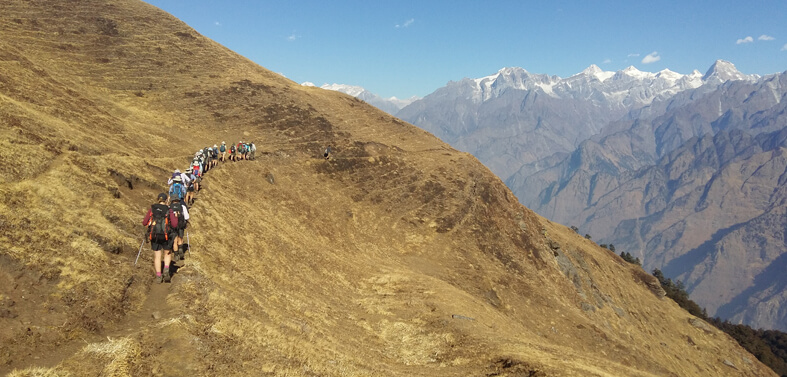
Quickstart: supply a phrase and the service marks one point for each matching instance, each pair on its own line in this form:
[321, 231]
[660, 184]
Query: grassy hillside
[399, 256]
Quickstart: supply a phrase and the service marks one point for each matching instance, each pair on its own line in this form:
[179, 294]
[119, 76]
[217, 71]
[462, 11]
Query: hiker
[182, 213]
[327, 153]
[190, 186]
[195, 170]
[252, 151]
[177, 190]
[205, 156]
[215, 156]
[160, 221]
[239, 150]
[232, 153]
[223, 150]
[183, 177]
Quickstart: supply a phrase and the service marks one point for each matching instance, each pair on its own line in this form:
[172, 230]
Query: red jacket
[173, 220]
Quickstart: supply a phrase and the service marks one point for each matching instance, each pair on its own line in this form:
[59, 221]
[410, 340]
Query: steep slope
[398, 256]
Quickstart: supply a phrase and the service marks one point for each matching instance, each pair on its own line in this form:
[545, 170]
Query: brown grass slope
[400, 256]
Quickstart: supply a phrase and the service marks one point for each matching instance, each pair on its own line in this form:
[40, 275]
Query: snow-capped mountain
[539, 114]
[629, 86]
[390, 105]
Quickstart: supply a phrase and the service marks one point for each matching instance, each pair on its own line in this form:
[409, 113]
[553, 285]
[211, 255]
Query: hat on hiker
[175, 199]
[222, 143]
[176, 179]
[177, 170]
[162, 197]
[215, 146]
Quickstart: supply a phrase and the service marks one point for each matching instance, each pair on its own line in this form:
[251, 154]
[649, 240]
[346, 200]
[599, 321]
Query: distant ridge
[390, 105]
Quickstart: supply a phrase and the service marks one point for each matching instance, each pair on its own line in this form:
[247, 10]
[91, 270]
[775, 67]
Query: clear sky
[412, 47]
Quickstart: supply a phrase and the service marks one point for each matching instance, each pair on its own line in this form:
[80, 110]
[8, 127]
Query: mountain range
[649, 162]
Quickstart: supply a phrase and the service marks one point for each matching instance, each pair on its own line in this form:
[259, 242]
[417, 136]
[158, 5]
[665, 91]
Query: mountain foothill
[397, 255]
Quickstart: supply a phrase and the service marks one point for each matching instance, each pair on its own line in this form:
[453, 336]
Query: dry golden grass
[399, 256]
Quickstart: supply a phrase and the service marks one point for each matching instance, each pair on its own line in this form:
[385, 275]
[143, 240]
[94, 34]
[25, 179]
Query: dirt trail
[154, 309]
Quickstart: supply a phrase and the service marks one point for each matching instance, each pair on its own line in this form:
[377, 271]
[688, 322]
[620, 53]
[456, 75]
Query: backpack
[223, 148]
[176, 190]
[177, 209]
[253, 147]
[215, 151]
[158, 227]
[232, 149]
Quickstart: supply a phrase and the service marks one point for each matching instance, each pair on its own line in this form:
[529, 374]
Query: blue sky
[405, 48]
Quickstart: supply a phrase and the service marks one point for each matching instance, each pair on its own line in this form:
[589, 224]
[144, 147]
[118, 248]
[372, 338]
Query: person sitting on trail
[160, 221]
[190, 186]
[223, 150]
[327, 153]
[252, 151]
[177, 190]
[182, 212]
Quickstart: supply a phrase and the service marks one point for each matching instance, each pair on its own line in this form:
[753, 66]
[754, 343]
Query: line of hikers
[167, 219]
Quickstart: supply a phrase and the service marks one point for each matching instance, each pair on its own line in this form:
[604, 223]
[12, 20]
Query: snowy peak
[595, 71]
[352, 90]
[723, 70]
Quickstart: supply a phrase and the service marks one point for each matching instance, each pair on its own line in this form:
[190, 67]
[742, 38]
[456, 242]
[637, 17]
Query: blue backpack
[176, 191]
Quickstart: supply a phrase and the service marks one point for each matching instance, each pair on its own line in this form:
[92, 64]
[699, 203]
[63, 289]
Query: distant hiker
[206, 158]
[252, 151]
[183, 177]
[232, 153]
[215, 155]
[195, 170]
[160, 221]
[190, 186]
[327, 153]
[223, 150]
[182, 213]
[177, 190]
[239, 150]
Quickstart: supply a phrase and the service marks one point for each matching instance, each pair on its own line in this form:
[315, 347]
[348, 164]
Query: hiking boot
[165, 275]
[159, 278]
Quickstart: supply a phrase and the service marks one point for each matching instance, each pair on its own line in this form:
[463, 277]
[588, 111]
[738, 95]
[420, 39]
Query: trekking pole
[140, 251]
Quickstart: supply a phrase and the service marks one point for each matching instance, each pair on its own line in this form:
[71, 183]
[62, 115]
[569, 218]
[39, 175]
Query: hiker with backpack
[223, 150]
[252, 151]
[240, 150]
[177, 190]
[160, 220]
[190, 186]
[183, 177]
[182, 213]
[214, 160]
[233, 156]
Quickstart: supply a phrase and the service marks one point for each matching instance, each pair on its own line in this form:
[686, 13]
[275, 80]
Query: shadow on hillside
[686, 262]
[773, 276]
